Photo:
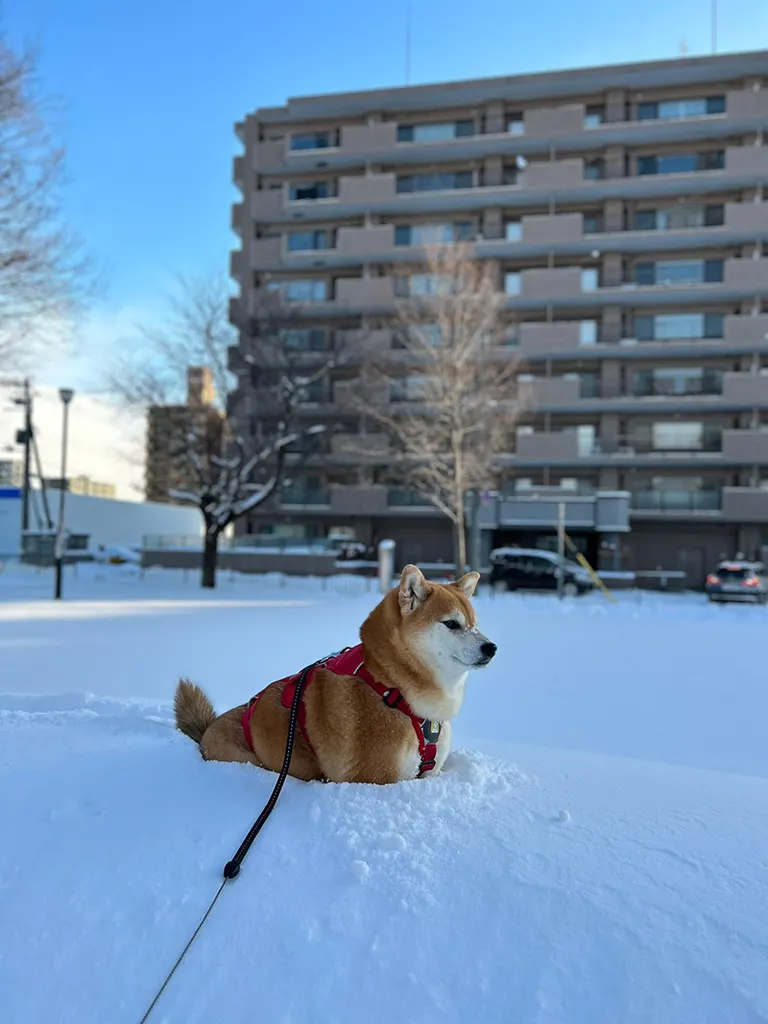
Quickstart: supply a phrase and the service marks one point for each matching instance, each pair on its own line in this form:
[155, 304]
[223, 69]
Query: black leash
[232, 867]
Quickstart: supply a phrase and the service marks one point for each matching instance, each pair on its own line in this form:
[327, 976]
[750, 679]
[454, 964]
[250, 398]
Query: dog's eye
[452, 624]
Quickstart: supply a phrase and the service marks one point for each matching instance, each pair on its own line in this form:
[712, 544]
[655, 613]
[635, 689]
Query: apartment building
[83, 485]
[168, 427]
[624, 212]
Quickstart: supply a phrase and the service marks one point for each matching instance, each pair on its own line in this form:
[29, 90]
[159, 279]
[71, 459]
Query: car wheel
[500, 587]
[570, 589]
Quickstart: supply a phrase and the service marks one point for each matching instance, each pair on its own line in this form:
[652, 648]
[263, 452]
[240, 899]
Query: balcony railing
[305, 496]
[666, 389]
[399, 498]
[676, 501]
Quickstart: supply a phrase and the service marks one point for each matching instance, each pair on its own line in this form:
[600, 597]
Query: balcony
[365, 140]
[554, 174]
[552, 229]
[676, 501]
[746, 447]
[746, 331]
[559, 283]
[361, 500]
[747, 104]
[374, 242]
[553, 446]
[552, 393]
[745, 504]
[549, 122]
[747, 275]
[401, 498]
[300, 496]
[268, 204]
[746, 389]
[563, 336]
[367, 189]
[367, 294]
[360, 445]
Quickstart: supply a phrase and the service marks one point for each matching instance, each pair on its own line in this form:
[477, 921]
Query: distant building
[11, 473]
[168, 428]
[83, 485]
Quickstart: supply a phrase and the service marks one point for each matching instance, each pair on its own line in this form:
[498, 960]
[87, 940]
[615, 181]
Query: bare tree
[44, 275]
[231, 456]
[456, 384]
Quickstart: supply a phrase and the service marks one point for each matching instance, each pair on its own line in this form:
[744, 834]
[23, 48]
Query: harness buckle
[391, 698]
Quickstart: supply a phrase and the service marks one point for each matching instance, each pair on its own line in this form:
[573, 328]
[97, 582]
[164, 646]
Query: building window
[408, 389]
[682, 163]
[680, 216]
[594, 169]
[587, 332]
[423, 285]
[671, 494]
[513, 231]
[589, 280]
[303, 340]
[682, 436]
[515, 124]
[304, 241]
[678, 326]
[594, 116]
[308, 290]
[315, 140]
[434, 182]
[669, 110]
[312, 392]
[299, 191]
[433, 234]
[677, 380]
[426, 334]
[592, 223]
[512, 283]
[437, 131]
[676, 272]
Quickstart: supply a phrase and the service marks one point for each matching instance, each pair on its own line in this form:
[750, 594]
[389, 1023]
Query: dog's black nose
[488, 649]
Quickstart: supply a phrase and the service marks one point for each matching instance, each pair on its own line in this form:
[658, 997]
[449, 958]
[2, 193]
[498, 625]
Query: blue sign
[10, 492]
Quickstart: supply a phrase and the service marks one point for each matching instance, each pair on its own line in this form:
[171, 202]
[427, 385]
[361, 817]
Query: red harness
[349, 662]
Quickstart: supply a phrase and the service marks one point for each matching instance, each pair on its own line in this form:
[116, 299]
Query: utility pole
[26, 401]
[560, 548]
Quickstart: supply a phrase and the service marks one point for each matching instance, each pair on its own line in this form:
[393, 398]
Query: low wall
[252, 561]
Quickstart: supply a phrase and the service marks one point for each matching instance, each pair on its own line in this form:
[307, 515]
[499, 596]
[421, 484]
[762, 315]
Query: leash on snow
[232, 867]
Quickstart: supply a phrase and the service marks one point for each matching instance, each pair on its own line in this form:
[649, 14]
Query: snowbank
[599, 856]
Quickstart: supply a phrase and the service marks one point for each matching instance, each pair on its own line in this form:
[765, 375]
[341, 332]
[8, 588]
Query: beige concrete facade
[625, 210]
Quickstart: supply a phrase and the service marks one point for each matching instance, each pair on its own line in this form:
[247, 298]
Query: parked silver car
[738, 581]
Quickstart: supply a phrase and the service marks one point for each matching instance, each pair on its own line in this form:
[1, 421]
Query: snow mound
[469, 896]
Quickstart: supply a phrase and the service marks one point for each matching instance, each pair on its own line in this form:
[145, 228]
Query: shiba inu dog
[379, 712]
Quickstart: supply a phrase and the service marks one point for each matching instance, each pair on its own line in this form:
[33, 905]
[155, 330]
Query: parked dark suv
[531, 569]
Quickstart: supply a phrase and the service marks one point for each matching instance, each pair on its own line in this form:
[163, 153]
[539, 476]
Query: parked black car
[531, 569]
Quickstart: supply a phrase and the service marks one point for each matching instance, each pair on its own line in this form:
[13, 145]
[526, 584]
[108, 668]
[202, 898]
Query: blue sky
[151, 91]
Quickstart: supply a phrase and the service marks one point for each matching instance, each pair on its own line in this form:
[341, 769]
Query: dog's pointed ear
[412, 591]
[468, 583]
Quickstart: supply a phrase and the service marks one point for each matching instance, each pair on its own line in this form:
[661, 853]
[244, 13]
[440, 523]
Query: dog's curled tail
[194, 712]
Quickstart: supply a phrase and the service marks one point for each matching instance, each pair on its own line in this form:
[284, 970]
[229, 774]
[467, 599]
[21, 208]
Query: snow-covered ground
[595, 851]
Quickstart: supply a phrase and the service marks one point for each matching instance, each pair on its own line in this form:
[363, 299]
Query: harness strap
[350, 662]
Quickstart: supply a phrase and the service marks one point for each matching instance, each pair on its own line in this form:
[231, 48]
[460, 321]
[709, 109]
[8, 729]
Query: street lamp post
[66, 395]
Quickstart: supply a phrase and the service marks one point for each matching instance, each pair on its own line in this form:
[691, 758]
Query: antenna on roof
[408, 13]
[714, 26]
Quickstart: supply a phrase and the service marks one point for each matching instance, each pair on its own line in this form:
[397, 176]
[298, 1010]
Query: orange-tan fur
[355, 736]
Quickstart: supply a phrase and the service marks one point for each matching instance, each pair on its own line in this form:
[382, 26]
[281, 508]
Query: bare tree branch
[458, 402]
[45, 278]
